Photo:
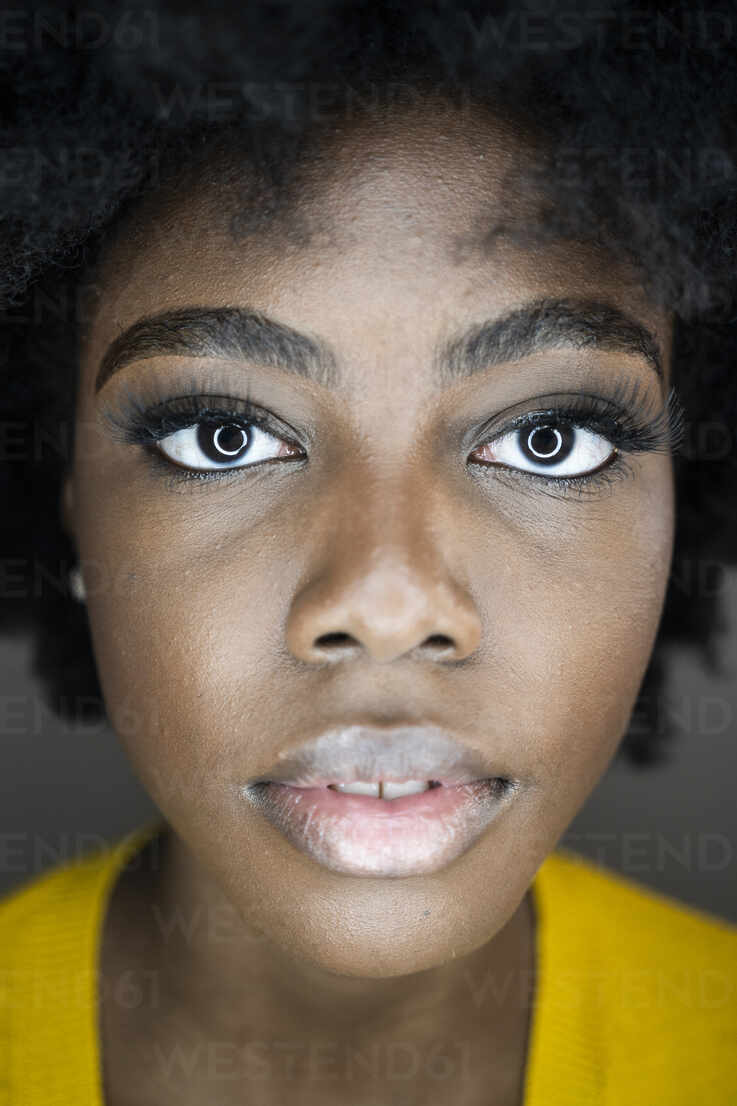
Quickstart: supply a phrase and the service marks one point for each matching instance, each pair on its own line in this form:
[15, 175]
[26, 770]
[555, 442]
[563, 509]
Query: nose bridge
[384, 584]
[384, 514]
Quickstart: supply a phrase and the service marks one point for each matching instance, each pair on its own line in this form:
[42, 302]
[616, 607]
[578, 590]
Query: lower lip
[366, 836]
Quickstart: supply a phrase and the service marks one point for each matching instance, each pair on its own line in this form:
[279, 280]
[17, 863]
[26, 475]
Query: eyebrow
[247, 335]
[220, 332]
[547, 324]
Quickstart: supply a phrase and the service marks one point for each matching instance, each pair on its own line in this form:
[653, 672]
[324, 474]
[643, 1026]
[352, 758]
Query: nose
[384, 587]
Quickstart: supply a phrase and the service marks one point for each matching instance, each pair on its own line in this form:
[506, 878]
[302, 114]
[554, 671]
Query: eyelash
[613, 418]
[140, 424]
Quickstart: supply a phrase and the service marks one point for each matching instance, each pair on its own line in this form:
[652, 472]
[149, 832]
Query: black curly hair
[633, 111]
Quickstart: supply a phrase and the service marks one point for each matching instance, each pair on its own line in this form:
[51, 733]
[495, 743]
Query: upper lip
[346, 754]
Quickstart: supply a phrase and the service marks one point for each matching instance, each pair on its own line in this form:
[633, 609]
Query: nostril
[337, 638]
[338, 643]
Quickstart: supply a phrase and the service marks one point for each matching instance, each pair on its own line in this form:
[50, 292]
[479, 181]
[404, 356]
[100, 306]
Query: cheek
[184, 628]
[576, 620]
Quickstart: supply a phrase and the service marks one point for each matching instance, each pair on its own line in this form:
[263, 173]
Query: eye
[549, 449]
[224, 445]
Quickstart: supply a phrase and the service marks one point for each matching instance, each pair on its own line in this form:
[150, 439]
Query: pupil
[222, 443]
[548, 444]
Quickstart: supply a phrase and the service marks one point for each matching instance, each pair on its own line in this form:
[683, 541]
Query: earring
[76, 584]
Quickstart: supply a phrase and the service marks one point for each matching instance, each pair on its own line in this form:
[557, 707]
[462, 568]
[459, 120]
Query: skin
[208, 598]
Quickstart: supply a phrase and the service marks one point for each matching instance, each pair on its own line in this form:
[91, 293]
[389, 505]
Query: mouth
[382, 802]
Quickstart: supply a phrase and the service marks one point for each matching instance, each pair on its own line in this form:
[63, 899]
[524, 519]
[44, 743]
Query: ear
[67, 507]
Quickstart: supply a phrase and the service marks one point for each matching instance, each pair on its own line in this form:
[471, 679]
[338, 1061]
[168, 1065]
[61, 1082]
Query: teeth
[409, 787]
[382, 790]
[358, 788]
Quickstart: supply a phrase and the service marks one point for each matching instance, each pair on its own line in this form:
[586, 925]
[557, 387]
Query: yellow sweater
[636, 1000]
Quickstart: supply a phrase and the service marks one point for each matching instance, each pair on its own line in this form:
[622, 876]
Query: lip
[398, 753]
[362, 835]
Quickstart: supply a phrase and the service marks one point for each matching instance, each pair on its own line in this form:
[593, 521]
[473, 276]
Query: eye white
[587, 451]
[183, 447]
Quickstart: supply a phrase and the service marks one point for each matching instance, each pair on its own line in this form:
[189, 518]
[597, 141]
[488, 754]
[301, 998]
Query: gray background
[674, 828]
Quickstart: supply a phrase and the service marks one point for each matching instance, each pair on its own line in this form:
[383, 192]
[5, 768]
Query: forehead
[441, 170]
[410, 215]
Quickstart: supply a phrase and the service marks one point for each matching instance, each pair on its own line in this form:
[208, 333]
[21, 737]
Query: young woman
[386, 330]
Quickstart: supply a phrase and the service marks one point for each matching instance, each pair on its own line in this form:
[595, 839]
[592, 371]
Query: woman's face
[397, 547]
